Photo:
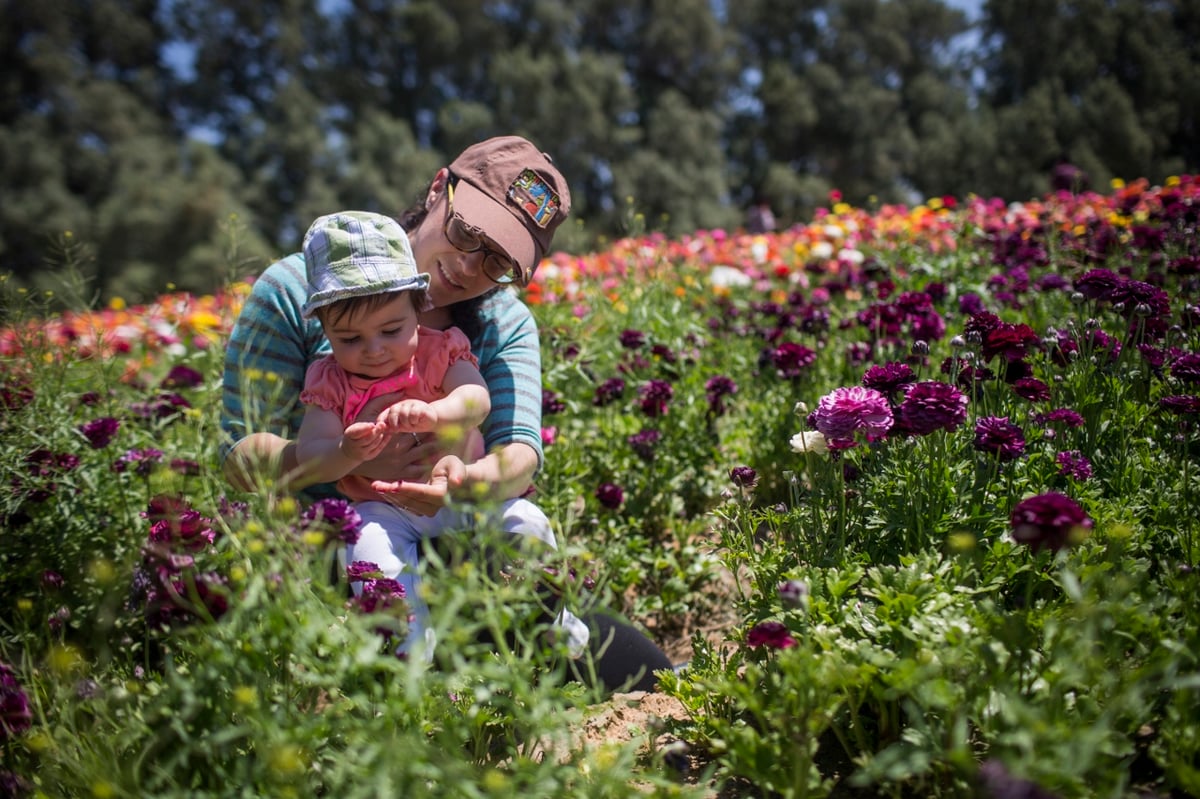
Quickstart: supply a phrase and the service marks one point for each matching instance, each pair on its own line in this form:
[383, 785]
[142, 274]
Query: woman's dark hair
[465, 314]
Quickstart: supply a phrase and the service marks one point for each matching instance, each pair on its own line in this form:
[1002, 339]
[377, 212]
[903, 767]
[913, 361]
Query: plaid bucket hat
[356, 253]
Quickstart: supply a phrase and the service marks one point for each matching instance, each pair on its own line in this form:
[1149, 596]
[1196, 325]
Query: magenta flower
[610, 495]
[551, 404]
[378, 594]
[1183, 404]
[1187, 368]
[1032, 389]
[182, 377]
[609, 391]
[716, 389]
[743, 476]
[361, 570]
[996, 435]
[890, 378]
[932, 405]
[656, 395]
[100, 432]
[140, 461]
[1074, 465]
[771, 634]
[644, 442]
[791, 359]
[633, 339]
[845, 411]
[337, 515]
[1049, 521]
[1064, 416]
[1012, 341]
[15, 714]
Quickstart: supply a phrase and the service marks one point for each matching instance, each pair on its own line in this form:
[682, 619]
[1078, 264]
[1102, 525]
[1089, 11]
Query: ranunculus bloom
[644, 442]
[1066, 416]
[809, 441]
[932, 405]
[716, 389]
[361, 570]
[996, 435]
[1074, 465]
[1187, 368]
[1031, 389]
[793, 593]
[791, 359]
[656, 394]
[1049, 521]
[1184, 404]
[845, 411]
[610, 495]
[743, 476]
[100, 432]
[549, 435]
[771, 634]
[609, 391]
[551, 404]
[1012, 341]
[337, 514]
[15, 714]
[141, 461]
[890, 378]
[632, 339]
[182, 377]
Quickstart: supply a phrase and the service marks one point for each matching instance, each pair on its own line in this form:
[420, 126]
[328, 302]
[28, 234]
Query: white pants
[391, 539]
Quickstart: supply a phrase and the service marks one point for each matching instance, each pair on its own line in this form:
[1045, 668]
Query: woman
[485, 223]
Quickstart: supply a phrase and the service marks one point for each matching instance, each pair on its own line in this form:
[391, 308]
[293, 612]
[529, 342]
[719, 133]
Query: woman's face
[454, 275]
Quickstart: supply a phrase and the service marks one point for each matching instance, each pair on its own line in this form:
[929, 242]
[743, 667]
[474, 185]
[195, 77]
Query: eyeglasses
[498, 267]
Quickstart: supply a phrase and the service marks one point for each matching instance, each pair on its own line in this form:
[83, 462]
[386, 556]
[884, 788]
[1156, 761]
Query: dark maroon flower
[656, 395]
[998, 783]
[791, 359]
[1074, 465]
[771, 634]
[931, 405]
[1031, 389]
[1064, 416]
[664, 352]
[551, 404]
[89, 398]
[52, 580]
[743, 476]
[1049, 521]
[633, 339]
[1098, 284]
[1140, 298]
[890, 378]
[997, 436]
[644, 443]
[610, 495]
[141, 461]
[100, 432]
[716, 389]
[182, 377]
[1012, 341]
[361, 570]
[13, 785]
[336, 514]
[163, 406]
[15, 393]
[609, 391]
[188, 529]
[15, 714]
[1184, 404]
[185, 467]
[1187, 368]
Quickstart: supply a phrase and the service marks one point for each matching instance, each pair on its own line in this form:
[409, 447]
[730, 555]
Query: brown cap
[513, 194]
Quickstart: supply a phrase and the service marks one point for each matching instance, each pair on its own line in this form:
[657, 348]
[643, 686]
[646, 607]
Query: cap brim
[498, 223]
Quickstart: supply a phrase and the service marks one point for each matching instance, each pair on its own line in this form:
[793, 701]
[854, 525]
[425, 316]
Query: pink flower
[1048, 521]
[771, 634]
[845, 411]
[932, 405]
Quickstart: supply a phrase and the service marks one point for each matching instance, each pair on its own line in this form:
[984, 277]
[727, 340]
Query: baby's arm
[326, 452]
[465, 405]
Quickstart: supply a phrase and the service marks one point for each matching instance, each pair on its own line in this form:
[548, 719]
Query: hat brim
[498, 223]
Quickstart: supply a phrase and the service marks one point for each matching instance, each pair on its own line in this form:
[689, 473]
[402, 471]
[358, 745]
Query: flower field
[913, 490]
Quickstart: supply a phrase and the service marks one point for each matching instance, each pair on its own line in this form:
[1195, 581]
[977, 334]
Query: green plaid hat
[356, 253]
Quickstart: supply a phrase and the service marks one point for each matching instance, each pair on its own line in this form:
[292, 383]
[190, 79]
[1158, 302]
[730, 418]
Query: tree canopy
[183, 141]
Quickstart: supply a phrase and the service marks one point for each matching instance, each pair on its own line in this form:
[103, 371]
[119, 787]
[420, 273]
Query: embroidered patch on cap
[535, 197]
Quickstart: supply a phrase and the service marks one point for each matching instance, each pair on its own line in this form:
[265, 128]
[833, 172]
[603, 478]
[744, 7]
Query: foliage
[935, 464]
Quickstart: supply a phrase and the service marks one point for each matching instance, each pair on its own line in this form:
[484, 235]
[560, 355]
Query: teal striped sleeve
[268, 352]
[510, 361]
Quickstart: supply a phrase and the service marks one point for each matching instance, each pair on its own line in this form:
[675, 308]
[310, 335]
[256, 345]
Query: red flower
[771, 634]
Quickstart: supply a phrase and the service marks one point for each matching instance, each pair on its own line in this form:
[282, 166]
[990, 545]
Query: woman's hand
[426, 498]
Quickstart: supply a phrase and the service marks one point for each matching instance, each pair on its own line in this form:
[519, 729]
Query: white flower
[850, 256]
[822, 249]
[809, 441]
[726, 276]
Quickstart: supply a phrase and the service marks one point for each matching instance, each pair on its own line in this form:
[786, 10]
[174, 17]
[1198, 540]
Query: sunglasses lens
[461, 237]
[501, 269]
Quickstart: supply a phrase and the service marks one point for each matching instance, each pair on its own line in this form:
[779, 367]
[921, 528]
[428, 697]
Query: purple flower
[182, 377]
[656, 394]
[163, 406]
[185, 467]
[845, 411]
[1184, 404]
[551, 404]
[644, 442]
[336, 514]
[1065, 416]
[716, 389]
[609, 391]
[1011, 341]
[52, 580]
[361, 570]
[743, 476]
[1048, 521]
[141, 461]
[1187, 368]
[794, 593]
[890, 378]
[1074, 465]
[998, 783]
[996, 435]
[1032, 389]
[379, 594]
[15, 714]
[633, 339]
[771, 634]
[932, 405]
[100, 432]
[610, 495]
[1098, 284]
[791, 359]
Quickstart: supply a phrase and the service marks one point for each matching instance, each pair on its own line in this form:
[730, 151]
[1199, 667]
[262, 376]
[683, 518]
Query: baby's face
[376, 343]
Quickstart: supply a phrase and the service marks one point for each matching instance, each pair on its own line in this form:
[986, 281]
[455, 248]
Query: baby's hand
[408, 416]
[362, 441]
